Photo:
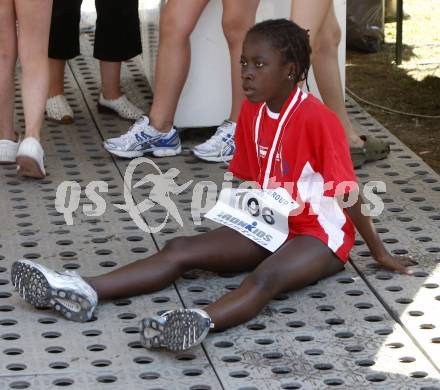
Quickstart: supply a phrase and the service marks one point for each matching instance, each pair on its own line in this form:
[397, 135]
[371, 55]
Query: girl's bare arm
[366, 229]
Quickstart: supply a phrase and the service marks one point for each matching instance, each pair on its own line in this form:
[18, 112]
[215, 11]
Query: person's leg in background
[238, 17]
[8, 59]
[318, 16]
[177, 22]
[112, 46]
[155, 134]
[110, 79]
[325, 35]
[33, 36]
[63, 46]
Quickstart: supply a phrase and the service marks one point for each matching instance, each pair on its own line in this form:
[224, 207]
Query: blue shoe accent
[165, 146]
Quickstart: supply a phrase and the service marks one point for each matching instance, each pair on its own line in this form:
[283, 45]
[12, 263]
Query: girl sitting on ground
[287, 141]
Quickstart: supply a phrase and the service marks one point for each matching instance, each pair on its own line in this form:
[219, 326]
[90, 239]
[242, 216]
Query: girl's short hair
[290, 39]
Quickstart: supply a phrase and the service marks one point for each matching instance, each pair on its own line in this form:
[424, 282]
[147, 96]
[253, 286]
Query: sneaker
[65, 292]
[220, 147]
[30, 159]
[8, 151]
[58, 110]
[141, 138]
[120, 106]
[178, 330]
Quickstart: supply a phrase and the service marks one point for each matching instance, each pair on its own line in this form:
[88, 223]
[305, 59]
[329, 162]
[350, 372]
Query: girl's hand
[395, 263]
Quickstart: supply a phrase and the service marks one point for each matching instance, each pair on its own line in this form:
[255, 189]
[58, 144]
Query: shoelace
[218, 137]
[133, 129]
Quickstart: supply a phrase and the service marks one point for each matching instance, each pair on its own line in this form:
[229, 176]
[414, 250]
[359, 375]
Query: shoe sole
[178, 331]
[123, 154]
[156, 323]
[106, 110]
[35, 289]
[164, 152]
[67, 120]
[27, 166]
[7, 162]
[213, 158]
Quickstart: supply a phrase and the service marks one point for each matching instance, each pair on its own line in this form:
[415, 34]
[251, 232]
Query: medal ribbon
[267, 164]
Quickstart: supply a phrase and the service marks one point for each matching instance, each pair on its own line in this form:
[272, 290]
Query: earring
[290, 77]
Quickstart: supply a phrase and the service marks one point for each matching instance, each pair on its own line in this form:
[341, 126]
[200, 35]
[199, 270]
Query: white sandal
[58, 110]
[120, 106]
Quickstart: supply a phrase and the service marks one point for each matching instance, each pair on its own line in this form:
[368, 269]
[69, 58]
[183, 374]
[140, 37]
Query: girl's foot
[177, 330]
[30, 159]
[58, 110]
[8, 150]
[65, 292]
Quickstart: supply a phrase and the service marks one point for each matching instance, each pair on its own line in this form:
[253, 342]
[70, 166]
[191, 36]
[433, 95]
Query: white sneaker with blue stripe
[220, 147]
[142, 138]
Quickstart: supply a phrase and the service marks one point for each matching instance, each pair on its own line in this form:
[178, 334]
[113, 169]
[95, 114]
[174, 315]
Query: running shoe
[220, 147]
[177, 330]
[65, 292]
[142, 138]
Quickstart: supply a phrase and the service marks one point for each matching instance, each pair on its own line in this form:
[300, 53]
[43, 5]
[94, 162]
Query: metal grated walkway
[364, 328]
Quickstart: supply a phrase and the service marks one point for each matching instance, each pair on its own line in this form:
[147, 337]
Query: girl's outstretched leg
[222, 250]
[205, 251]
[300, 262]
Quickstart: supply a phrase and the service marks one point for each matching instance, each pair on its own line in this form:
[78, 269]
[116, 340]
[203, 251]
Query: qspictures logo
[163, 187]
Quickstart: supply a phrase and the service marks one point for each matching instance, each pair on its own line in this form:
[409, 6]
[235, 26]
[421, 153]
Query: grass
[412, 87]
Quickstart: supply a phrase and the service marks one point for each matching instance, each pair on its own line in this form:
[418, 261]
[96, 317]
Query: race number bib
[260, 215]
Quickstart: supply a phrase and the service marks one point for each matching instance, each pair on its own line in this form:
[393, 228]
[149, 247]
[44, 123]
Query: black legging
[117, 36]
[298, 263]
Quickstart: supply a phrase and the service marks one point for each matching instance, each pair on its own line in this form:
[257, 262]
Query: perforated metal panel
[409, 225]
[39, 349]
[363, 328]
